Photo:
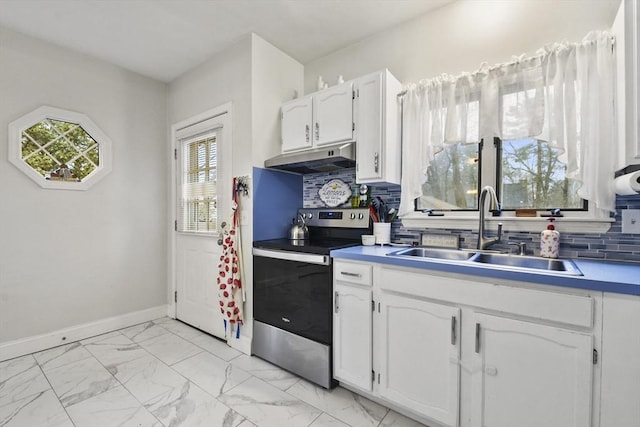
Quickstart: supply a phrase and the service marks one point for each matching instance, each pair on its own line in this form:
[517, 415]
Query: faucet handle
[499, 236]
[522, 247]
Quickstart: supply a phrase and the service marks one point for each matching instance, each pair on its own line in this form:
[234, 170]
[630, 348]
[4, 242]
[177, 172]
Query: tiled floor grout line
[167, 327]
[52, 389]
[179, 361]
[116, 378]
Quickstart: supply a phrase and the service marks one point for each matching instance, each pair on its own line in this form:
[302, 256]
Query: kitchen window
[547, 127]
[531, 176]
[452, 180]
[59, 149]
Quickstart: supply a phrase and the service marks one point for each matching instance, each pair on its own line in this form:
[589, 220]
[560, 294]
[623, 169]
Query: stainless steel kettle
[299, 230]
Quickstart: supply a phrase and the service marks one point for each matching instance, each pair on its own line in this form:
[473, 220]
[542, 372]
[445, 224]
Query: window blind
[198, 207]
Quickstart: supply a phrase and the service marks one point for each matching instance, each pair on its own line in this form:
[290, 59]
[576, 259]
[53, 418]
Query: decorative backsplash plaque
[334, 193]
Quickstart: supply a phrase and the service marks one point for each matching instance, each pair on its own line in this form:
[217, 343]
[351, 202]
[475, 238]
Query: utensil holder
[382, 231]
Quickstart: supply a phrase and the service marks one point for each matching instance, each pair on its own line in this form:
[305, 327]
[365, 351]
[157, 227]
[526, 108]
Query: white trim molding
[20, 347]
[418, 220]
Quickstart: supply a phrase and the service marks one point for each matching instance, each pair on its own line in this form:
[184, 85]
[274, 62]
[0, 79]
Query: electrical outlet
[631, 221]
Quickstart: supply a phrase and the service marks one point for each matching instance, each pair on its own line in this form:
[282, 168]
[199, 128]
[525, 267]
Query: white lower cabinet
[352, 324]
[417, 353]
[352, 347]
[620, 361]
[452, 351]
[530, 375]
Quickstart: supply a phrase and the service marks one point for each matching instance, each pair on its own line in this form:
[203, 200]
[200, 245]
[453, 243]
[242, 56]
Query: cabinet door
[333, 115]
[369, 117]
[418, 353]
[296, 124]
[352, 346]
[530, 375]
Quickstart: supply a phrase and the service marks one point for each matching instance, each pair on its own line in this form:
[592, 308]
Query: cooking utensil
[374, 214]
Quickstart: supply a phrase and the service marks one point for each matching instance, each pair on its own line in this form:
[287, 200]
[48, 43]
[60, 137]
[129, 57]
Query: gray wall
[73, 257]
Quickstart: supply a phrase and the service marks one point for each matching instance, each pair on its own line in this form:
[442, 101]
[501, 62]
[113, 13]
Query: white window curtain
[563, 95]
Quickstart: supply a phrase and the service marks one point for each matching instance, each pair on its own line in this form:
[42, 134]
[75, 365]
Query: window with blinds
[199, 204]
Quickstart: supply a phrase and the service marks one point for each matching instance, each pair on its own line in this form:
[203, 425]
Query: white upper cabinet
[378, 151]
[625, 28]
[322, 118]
[364, 110]
[297, 122]
[333, 115]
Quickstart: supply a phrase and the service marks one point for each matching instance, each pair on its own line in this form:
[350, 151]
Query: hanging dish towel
[229, 273]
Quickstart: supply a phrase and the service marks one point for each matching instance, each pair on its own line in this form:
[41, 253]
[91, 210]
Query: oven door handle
[293, 256]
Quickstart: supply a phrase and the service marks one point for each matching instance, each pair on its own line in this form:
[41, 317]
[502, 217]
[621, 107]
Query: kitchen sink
[509, 262]
[434, 253]
[494, 260]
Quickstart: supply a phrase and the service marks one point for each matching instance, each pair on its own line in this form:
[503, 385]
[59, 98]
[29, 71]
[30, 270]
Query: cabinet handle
[376, 162]
[306, 132]
[346, 273]
[453, 330]
[337, 305]
[317, 131]
[477, 337]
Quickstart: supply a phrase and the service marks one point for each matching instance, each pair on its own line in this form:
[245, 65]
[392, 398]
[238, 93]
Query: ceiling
[164, 38]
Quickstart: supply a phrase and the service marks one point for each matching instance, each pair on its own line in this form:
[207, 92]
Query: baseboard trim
[20, 347]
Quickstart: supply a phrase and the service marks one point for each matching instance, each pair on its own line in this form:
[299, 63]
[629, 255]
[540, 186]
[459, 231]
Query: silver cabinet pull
[346, 273]
[376, 162]
[477, 337]
[453, 330]
[306, 132]
[317, 131]
[337, 305]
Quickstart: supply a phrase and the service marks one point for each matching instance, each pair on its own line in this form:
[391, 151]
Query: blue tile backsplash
[612, 245]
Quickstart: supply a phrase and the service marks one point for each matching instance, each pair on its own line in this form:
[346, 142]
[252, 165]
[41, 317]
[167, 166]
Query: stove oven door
[292, 291]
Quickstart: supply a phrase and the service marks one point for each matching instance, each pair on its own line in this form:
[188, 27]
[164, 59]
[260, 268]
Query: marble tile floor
[166, 373]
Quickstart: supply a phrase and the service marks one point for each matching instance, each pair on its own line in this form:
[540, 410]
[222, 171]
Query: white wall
[460, 36]
[72, 257]
[276, 77]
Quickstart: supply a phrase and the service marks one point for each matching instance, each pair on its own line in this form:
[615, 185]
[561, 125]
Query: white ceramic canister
[382, 231]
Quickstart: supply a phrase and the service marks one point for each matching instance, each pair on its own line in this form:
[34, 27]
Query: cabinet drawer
[352, 273]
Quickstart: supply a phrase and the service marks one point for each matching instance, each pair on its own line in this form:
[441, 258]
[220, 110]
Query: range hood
[325, 159]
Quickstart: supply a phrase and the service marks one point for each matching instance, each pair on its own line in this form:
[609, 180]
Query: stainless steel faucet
[483, 241]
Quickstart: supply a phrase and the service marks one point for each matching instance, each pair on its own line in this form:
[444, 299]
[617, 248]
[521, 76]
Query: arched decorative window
[59, 149]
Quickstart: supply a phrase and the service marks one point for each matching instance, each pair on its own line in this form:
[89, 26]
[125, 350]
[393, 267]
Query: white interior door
[203, 202]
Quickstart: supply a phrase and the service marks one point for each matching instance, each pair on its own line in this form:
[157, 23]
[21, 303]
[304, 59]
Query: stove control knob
[360, 216]
[309, 215]
[352, 216]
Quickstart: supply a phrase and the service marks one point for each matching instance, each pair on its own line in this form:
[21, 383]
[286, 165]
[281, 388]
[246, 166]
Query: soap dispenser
[550, 241]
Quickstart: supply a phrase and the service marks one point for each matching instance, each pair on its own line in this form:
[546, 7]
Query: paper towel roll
[628, 184]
